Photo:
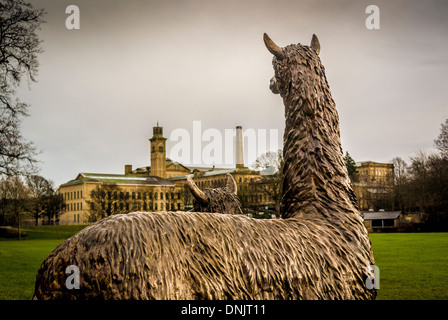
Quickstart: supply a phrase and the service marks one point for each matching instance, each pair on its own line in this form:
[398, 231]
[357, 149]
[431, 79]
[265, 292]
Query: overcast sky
[103, 87]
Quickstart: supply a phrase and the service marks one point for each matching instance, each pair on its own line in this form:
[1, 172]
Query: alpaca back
[171, 255]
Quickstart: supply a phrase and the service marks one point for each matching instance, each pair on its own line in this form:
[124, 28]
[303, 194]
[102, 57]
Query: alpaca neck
[315, 178]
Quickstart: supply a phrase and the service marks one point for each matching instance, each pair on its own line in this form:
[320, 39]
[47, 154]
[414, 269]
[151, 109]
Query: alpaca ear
[272, 47]
[231, 184]
[196, 192]
[315, 44]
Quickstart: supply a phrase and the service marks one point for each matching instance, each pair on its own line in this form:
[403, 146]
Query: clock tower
[158, 153]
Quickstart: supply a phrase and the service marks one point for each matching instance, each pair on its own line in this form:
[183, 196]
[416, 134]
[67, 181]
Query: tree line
[109, 199]
[33, 197]
[420, 185]
[21, 189]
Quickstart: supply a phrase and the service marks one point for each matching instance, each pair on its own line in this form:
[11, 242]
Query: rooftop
[213, 172]
[381, 215]
[119, 179]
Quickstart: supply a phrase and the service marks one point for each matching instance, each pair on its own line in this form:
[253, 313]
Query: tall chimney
[127, 169]
[239, 161]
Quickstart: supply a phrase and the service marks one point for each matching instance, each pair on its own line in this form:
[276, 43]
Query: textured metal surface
[319, 250]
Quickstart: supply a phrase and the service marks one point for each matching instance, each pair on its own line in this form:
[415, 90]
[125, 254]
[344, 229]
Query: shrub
[8, 232]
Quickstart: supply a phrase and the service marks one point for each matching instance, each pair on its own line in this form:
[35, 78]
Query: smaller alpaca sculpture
[219, 200]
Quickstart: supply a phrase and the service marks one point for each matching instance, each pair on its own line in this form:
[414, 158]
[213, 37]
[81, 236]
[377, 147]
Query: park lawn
[20, 260]
[51, 232]
[413, 266]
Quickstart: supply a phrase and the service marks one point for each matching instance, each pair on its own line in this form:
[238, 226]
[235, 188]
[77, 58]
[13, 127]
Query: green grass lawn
[50, 232]
[412, 265]
[20, 260]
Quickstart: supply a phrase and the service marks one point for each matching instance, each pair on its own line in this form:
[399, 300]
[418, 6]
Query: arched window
[160, 148]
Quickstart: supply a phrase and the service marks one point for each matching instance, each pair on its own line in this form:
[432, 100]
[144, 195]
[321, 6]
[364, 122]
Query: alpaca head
[219, 200]
[314, 163]
[296, 69]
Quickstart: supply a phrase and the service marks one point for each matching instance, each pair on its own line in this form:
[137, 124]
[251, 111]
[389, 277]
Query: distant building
[381, 221]
[162, 186]
[158, 187]
[373, 185]
[117, 193]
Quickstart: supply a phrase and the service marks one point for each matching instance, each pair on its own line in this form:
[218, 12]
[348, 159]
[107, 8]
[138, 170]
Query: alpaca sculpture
[315, 177]
[220, 200]
[316, 251]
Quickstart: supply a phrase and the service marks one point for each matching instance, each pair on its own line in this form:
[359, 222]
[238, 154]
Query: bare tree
[14, 200]
[106, 200]
[44, 200]
[419, 171]
[109, 199]
[52, 205]
[39, 188]
[442, 140]
[19, 47]
[270, 182]
[401, 179]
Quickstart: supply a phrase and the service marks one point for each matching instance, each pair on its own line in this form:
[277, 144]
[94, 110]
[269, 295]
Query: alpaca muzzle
[273, 85]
